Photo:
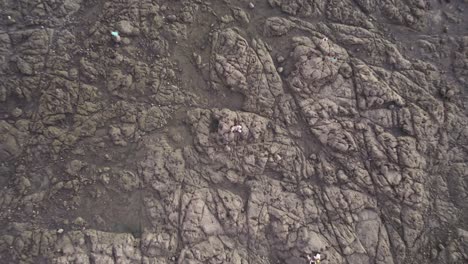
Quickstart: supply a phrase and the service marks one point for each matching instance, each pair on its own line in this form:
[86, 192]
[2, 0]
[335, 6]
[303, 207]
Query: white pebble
[60, 231]
[251, 5]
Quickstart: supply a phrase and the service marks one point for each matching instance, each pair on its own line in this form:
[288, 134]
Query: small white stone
[251, 5]
[280, 69]
[60, 231]
[280, 59]
[278, 157]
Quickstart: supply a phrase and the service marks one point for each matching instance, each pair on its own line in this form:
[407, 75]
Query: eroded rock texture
[233, 131]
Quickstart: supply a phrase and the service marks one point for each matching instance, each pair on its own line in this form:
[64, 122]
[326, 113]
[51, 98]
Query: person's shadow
[297, 260]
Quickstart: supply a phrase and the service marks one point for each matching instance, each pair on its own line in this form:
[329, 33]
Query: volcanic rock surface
[234, 131]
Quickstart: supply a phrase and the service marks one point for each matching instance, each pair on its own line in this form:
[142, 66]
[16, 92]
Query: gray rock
[219, 133]
[126, 28]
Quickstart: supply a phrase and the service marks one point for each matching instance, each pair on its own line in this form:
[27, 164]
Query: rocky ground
[234, 131]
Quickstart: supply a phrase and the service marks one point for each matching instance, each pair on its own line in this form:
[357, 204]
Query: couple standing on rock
[315, 259]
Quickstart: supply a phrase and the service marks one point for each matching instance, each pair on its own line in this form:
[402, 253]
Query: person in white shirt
[315, 259]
